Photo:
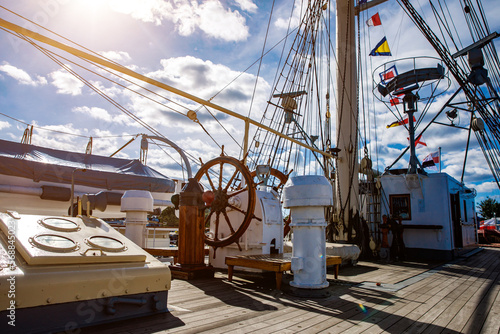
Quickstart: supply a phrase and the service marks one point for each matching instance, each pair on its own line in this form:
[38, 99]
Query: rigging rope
[52, 55]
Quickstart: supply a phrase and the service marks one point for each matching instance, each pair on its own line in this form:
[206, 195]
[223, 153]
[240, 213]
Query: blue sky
[201, 47]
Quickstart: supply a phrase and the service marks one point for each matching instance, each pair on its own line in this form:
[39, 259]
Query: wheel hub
[221, 200]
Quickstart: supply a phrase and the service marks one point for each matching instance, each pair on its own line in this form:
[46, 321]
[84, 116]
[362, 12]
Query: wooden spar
[41, 38]
[347, 182]
[347, 199]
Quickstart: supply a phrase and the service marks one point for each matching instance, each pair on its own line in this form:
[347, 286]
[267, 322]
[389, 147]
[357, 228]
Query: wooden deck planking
[403, 319]
[453, 286]
[492, 321]
[459, 297]
[448, 286]
[425, 292]
[415, 320]
[388, 273]
[479, 304]
[408, 299]
[471, 281]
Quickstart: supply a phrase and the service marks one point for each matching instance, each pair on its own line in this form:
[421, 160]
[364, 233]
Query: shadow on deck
[458, 297]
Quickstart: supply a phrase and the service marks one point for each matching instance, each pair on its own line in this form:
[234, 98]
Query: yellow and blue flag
[382, 49]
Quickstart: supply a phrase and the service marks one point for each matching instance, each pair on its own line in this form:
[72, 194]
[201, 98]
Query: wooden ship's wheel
[230, 188]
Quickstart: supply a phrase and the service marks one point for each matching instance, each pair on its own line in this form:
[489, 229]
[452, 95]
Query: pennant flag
[398, 123]
[381, 49]
[388, 75]
[431, 160]
[419, 142]
[374, 21]
[395, 101]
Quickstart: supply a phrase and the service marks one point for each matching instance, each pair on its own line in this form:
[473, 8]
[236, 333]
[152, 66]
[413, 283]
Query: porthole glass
[60, 224]
[106, 243]
[54, 243]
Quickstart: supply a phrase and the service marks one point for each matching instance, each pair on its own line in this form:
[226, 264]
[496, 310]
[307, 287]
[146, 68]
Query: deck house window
[400, 206]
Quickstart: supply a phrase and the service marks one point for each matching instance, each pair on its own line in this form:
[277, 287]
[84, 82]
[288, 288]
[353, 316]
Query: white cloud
[293, 21]
[247, 5]
[66, 83]
[102, 115]
[94, 112]
[486, 187]
[147, 10]
[219, 23]
[58, 138]
[111, 91]
[22, 76]
[117, 56]
[4, 125]
[206, 79]
[210, 16]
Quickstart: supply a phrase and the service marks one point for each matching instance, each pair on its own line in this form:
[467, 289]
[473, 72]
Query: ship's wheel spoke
[231, 179]
[236, 209]
[221, 174]
[228, 221]
[210, 180]
[217, 221]
[237, 192]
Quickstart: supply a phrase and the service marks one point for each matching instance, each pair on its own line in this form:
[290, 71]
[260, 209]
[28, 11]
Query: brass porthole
[54, 243]
[59, 224]
[106, 243]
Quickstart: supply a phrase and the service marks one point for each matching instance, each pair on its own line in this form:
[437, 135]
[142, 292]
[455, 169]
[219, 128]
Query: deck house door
[456, 220]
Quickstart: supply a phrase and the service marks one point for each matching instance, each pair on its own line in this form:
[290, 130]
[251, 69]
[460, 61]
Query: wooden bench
[272, 262]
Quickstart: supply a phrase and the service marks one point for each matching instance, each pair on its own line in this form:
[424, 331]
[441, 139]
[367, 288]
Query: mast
[346, 182]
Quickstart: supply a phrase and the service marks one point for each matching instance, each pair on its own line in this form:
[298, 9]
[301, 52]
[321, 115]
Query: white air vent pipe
[306, 196]
[137, 204]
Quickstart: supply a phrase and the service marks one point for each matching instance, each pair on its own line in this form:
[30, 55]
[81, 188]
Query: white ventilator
[306, 196]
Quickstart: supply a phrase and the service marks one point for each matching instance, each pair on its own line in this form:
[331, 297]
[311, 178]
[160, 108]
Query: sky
[210, 49]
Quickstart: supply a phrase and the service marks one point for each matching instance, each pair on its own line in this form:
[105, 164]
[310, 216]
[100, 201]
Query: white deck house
[438, 213]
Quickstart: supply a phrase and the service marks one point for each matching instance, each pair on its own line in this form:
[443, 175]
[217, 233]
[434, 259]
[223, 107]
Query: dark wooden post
[191, 242]
[191, 239]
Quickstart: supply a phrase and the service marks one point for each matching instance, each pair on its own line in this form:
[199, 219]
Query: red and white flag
[434, 156]
[388, 74]
[374, 21]
[419, 142]
[431, 160]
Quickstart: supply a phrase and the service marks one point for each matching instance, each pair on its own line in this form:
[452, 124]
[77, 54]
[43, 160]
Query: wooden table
[272, 262]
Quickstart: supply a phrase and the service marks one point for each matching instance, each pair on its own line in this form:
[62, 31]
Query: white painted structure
[307, 196]
[438, 213]
[137, 204]
[63, 265]
[261, 237]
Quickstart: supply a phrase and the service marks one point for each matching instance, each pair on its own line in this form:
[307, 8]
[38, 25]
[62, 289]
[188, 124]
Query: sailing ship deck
[461, 296]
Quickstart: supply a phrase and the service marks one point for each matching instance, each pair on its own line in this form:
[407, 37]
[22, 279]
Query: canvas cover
[45, 164]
